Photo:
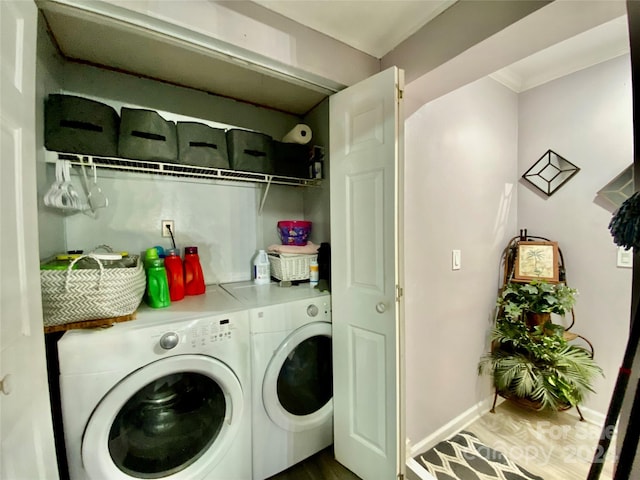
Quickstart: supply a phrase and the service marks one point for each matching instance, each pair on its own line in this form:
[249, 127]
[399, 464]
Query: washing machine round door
[297, 389]
[174, 418]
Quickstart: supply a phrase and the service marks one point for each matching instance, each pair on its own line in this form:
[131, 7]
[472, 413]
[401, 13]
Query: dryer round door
[174, 418]
[297, 389]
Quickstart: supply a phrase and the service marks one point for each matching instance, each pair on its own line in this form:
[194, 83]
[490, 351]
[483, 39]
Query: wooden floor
[321, 466]
[553, 445]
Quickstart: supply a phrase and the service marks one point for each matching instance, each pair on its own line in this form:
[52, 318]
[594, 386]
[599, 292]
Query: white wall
[585, 117]
[263, 32]
[460, 193]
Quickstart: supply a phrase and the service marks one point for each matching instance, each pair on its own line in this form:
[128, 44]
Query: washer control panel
[208, 332]
[198, 334]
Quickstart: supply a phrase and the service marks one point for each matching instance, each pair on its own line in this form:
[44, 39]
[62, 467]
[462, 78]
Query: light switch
[625, 258]
[455, 260]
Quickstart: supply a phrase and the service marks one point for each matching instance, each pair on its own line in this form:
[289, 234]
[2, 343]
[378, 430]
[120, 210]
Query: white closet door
[25, 420]
[366, 165]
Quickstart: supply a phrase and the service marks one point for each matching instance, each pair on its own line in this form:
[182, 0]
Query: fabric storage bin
[201, 145]
[79, 125]
[73, 295]
[291, 159]
[145, 135]
[249, 151]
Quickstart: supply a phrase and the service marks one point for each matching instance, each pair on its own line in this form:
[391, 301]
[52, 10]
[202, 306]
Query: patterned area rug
[465, 457]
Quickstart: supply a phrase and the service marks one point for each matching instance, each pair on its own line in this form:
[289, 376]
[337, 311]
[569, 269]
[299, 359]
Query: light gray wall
[460, 193]
[553, 23]
[316, 200]
[465, 153]
[48, 71]
[427, 48]
[585, 117]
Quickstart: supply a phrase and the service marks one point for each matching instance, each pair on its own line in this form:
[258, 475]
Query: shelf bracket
[264, 195]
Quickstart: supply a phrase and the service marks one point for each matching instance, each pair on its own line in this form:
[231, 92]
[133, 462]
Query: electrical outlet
[625, 258]
[168, 228]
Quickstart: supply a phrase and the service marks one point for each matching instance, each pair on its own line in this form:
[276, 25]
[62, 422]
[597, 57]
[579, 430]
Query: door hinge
[401, 476]
[400, 92]
[399, 293]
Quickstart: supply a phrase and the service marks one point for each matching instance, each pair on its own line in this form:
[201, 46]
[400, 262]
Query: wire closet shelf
[177, 170]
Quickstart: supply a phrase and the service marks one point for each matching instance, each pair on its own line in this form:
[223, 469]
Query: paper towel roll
[301, 133]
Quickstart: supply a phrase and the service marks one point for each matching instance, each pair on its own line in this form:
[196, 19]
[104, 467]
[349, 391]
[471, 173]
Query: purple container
[294, 232]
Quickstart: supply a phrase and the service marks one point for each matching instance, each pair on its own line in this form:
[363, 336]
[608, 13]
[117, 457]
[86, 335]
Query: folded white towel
[309, 248]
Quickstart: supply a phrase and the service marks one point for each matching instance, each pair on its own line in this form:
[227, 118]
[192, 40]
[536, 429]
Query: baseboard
[415, 471]
[595, 417]
[454, 426]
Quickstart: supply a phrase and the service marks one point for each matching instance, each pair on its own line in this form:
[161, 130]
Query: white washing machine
[292, 388]
[166, 395]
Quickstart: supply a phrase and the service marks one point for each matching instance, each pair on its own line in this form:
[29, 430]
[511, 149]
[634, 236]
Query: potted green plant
[534, 302]
[534, 364]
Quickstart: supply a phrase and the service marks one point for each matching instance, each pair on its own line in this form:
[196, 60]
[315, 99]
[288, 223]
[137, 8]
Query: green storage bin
[201, 145]
[79, 125]
[145, 135]
[249, 151]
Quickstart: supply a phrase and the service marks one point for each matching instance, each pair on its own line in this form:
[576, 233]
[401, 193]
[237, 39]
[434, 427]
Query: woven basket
[289, 266]
[87, 294]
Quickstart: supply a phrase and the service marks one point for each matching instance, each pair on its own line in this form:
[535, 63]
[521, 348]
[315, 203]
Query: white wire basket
[290, 266]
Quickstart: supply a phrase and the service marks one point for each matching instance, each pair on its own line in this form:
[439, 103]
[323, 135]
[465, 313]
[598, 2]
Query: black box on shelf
[145, 135]
[249, 151]
[291, 159]
[201, 145]
[316, 163]
[79, 125]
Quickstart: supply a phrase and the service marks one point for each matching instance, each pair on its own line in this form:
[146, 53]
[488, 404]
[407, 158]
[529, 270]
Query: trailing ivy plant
[538, 296]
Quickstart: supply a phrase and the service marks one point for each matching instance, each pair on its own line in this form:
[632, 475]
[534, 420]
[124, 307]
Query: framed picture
[537, 261]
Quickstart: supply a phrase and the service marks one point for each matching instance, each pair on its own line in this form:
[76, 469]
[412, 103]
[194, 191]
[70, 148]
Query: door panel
[368, 383]
[365, 155]
[366, 255]
[26, 430]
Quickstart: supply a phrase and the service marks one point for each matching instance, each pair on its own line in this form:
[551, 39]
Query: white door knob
[381, 307]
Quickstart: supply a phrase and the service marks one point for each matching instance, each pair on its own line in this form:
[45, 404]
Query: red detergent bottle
[193, 277]
[175, 274]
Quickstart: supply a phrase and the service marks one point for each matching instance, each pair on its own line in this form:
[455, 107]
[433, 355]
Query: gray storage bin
[291, 159]
[249, 151]
[79, 125]
[145, 135]
[201, 145]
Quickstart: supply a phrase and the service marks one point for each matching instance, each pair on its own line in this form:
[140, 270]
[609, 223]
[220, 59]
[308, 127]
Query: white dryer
[164, 396]
[291, 361]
